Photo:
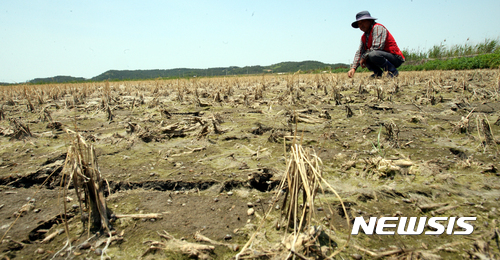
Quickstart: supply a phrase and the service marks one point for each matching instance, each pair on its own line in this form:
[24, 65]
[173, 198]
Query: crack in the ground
[50, 177]
[39, 232]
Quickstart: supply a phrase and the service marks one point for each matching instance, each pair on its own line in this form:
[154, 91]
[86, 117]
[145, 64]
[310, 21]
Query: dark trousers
[376, 61]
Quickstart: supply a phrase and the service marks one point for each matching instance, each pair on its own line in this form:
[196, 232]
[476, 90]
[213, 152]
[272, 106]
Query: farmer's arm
[357, 60]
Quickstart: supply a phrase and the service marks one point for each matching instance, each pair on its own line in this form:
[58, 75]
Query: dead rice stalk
[380, 93]
[301, 181]
[392, 131]
[2, 113]
[20, 129]
[133, 104]
[337, 96]
[109, 112]
[462, 126]
[45, 115]
[107, 90]
[484, 126]
[31, 108]
[40, 98]
[488, 135]
[82, 170]
[498, 80]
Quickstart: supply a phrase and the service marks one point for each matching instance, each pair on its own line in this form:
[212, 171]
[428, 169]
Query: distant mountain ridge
[283, 67]
[57, 79]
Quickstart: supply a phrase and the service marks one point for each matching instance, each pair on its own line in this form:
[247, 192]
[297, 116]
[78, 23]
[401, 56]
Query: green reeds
[442, 51]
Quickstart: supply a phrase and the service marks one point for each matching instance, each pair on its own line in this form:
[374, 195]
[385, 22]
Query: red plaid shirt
[378, 43]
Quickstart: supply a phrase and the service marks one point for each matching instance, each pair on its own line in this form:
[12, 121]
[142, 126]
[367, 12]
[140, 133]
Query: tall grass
[441, 51]
[482, 55]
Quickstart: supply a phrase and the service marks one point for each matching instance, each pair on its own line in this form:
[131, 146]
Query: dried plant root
[201, 238]
[175, 245]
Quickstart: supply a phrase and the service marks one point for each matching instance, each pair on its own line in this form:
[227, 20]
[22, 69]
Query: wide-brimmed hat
[363, 15]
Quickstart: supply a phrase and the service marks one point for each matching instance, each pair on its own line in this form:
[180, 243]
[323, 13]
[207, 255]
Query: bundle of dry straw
[81, 170]
[301, 183]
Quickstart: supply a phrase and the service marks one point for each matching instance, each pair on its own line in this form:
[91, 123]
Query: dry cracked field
[197, 164]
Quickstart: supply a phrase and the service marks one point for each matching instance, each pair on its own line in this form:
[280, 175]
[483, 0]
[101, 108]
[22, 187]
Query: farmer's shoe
[391, 69]
[377, 72]
[394, 74]
[376, 75]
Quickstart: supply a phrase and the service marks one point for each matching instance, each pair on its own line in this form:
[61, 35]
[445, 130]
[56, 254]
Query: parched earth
[205, 156]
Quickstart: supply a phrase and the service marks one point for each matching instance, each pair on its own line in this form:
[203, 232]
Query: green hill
[283, 67]
[57, 79]
[233, 70]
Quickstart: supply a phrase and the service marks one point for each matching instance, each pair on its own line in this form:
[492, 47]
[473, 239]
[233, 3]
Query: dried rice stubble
[20, 130]
[82, 170]
[303, 176]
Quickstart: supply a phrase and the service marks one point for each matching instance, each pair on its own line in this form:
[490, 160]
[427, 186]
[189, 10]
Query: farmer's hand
[362, 62]
[351, 73]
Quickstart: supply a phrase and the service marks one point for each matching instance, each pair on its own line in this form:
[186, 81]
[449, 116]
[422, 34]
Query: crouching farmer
[378, 50]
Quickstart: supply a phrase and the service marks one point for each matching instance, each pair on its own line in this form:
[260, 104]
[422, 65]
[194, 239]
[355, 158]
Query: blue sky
[87, 38]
